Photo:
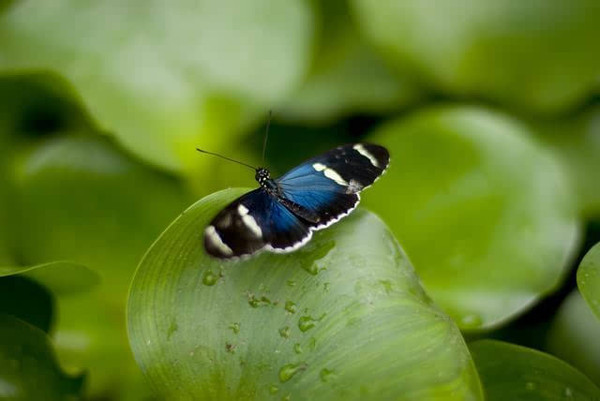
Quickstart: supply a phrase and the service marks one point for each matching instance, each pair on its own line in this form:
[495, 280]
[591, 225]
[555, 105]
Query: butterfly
[282, 214]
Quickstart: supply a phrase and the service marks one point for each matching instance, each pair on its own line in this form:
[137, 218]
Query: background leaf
[576, 141]
[484, 213]
[574, 336]
[28, 368]
[172, 77]
[511, 372]
[346, 75]
[344, 317]
[104, 210]
[536, 56]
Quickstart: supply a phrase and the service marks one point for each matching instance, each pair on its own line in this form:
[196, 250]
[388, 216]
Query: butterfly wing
[253, 222]
[326, 188]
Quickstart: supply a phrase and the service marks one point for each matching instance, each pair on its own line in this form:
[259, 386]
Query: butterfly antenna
[226, 158]
[266, 136]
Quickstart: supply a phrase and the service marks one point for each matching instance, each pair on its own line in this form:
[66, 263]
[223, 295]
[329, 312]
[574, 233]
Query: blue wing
[253, 222]
[326, 188]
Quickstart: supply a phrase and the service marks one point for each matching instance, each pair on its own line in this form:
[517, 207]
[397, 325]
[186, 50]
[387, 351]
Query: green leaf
[536, 55]
[588, 278]
[346, 76]
[28, 368]
[574, 336]
[484, 213]
[90, 337]
[171, 77]
[36, 104]
[59, 277]
[104, 209]
[576, 140]
[512, 372]
[342, 318]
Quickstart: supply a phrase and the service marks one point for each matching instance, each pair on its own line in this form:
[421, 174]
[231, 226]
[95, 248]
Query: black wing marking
[328, 186]
[253, 222]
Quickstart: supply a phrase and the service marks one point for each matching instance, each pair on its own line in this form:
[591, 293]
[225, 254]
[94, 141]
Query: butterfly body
[281, 215]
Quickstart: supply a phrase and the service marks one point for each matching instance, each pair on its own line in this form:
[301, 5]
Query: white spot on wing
[361, 149]
[319, 166]
[249, 221]
[214, 237]
[330, 173]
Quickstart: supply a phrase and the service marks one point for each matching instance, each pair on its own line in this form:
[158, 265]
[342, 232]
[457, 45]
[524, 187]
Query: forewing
[252, 222]
[329, 185]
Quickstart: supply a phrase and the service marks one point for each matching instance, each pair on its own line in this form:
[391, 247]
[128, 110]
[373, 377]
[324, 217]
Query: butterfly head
[262, 176]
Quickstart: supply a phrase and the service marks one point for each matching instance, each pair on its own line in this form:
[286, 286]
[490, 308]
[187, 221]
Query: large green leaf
[28, 368]
[342, 318]
[540, 55]
[574, 336]
[172, 76]
[588, 278]
[512, 372]
[484, 212]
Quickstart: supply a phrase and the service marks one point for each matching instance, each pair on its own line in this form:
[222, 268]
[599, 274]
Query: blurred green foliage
[490, 113]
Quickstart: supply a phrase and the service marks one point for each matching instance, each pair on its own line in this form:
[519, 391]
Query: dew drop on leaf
[290, 307]
[290, 370]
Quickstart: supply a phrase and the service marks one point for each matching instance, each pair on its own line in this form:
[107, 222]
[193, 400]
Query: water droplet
[306, 323]
[230, 347]
[568, 392]
[326, 287]
[530, 386]
[290, 307]
[148, 342]
[311, 269]
[291, 283]
[285, 332]
[273, 389]
[290, 370]
[286, 397]
[326, 374]
[257, 302]
[172, 329]
[387, 286]
[209, 278]
[297, 348]
[471, 321]
[235, 327]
